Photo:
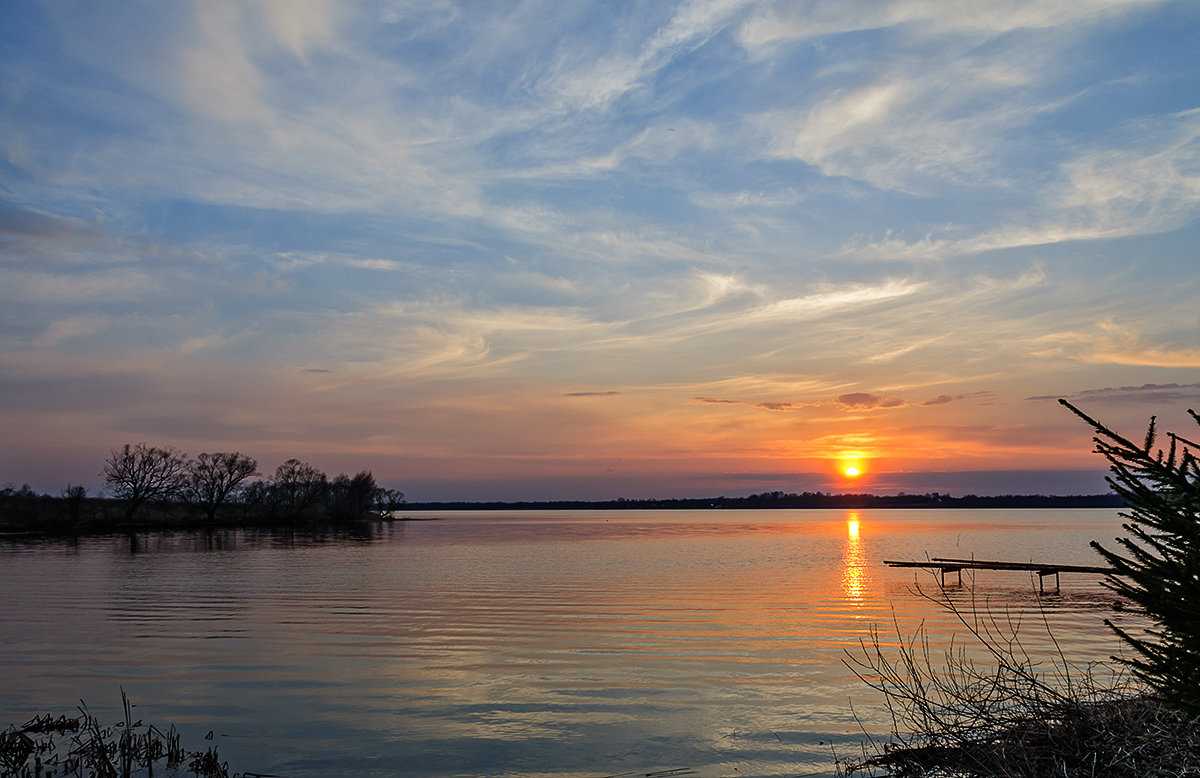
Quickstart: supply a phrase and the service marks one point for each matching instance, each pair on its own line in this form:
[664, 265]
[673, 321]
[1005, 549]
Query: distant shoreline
[779, 500]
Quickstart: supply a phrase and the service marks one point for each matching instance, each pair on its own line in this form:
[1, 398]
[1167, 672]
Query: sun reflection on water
[853, 560]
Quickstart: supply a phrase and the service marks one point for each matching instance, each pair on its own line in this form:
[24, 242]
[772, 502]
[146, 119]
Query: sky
[543, 250]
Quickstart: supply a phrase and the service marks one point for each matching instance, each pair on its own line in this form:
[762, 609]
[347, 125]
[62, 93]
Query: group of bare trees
[140, 474]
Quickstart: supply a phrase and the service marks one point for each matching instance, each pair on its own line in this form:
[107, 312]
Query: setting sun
[851, 464]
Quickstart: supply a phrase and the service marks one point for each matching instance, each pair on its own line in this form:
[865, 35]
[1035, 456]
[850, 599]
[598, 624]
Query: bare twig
[1013, 716]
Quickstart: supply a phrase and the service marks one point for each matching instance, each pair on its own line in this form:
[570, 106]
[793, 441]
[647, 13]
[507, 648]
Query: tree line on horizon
[211, 487]
[781, 500]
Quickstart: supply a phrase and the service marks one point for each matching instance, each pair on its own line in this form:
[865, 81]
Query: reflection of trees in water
[233, 538]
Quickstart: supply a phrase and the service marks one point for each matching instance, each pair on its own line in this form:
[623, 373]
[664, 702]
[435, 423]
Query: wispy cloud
[597, 85]
[768, 405]
[36, 224]
[71, 327]
[1149, 185]
[1112, 343]
[897, 133]
[1159, 394]
[787, 22]
[100, 287]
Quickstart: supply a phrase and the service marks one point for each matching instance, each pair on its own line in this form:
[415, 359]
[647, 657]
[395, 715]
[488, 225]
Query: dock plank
[1043, 569]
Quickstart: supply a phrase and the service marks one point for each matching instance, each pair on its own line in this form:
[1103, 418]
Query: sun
[852, 465]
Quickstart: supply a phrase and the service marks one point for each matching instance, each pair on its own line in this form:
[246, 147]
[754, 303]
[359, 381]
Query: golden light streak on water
[853, 560]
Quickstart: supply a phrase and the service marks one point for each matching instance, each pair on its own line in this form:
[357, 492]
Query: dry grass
[988, 709]
[1133, 737]
[49, 747]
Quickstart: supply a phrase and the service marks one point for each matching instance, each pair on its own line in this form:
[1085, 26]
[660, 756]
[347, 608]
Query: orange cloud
[863, 401]
[769, 405]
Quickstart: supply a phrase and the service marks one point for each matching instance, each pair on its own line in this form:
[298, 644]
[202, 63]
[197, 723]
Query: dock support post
[1042, 575]
[950, 569]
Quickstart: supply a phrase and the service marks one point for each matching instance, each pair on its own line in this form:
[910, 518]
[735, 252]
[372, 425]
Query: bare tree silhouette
[212, 479]
[140, 473]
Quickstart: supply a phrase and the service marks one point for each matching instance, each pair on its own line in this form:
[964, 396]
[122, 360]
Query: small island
[153, 488]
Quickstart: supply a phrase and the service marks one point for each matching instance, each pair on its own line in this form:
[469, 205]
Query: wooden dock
[1043, 571]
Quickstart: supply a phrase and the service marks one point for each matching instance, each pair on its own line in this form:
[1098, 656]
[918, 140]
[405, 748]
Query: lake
[585, 643]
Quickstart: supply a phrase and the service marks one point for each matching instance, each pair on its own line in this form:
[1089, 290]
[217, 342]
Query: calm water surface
[530, 644]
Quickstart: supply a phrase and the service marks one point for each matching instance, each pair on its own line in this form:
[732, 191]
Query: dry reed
[58, 747]
[1011, 715]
